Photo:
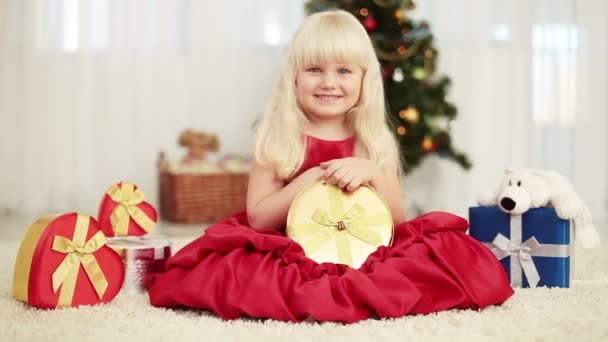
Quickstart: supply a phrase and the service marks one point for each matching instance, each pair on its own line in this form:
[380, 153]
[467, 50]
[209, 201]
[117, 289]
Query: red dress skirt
[234, 270]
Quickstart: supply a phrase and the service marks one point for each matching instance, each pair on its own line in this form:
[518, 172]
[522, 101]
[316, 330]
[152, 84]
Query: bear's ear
[185, 138]
[509, 170]
[213, 143]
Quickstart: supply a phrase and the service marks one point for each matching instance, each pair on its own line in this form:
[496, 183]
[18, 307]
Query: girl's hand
[350, 173]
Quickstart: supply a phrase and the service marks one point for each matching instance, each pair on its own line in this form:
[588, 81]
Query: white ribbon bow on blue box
[542, 259]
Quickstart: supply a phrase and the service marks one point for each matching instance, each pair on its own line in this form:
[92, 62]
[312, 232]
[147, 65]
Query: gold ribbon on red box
[48, 267]
[124, 211]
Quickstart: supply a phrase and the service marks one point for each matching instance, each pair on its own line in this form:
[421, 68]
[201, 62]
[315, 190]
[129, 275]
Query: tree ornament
[441, 122]
[400, 14]
[370, 23]
[388, 71]
[401, 130]
[419, 73]
[410, 114]
[441, 138]
[364, 12]
[427, 144]
[398, 75]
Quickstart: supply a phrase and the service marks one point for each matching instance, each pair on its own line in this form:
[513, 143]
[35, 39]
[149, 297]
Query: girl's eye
[510, 183]
[345, 71]
[314, 69]
[518, 183]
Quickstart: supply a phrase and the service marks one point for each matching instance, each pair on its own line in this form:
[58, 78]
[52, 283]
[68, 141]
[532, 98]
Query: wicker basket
[191, 198]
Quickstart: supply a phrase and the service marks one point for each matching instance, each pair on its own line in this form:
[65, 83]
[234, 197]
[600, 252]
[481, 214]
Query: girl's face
[328, 91]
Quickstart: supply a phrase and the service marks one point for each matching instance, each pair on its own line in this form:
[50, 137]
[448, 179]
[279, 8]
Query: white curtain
[92, 90]
[530, 80]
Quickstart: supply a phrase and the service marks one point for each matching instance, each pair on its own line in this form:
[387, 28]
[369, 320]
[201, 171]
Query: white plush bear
[522, 189]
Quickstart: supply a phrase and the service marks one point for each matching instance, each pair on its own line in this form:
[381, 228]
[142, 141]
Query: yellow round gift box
[339, 226]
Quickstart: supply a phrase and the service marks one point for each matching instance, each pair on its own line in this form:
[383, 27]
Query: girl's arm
[269, 199]
[388, 185]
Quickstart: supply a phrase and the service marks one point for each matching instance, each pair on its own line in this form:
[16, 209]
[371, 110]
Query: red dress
[235, 271]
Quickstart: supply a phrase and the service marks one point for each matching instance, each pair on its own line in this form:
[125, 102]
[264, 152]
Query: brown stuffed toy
[198, 144]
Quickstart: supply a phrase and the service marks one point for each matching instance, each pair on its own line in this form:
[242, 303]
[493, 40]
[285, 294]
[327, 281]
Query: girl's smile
[328, 98]
[328, 90]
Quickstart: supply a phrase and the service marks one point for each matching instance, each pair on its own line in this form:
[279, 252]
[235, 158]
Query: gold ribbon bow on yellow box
[336, 226]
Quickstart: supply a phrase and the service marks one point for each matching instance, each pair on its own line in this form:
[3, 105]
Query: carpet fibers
[579, 313]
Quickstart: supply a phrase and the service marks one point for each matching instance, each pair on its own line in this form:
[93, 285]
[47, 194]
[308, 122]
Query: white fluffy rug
[579, 313]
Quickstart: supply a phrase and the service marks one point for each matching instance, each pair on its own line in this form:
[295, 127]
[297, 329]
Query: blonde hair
[326, 37]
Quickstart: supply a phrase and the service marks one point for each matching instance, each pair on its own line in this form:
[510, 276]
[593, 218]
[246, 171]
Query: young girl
[326, 121]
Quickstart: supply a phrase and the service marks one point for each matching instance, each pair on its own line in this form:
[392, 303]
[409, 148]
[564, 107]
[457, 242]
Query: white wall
[492, 90]
[74, 123]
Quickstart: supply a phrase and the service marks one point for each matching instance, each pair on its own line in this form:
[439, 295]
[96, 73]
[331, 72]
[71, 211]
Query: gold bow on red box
[48, 272]
[124, 211]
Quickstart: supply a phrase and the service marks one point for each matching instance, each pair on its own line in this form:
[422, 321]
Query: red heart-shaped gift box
[64, 261]
[123, 212]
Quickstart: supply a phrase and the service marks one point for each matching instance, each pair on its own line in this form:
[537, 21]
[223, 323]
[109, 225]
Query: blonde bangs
[331, 39]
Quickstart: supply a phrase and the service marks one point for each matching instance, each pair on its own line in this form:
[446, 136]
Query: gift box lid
[486, 222]
[139, 242]
[333, 225]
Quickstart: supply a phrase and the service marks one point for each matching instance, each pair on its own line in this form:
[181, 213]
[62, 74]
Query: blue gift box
[535, 245]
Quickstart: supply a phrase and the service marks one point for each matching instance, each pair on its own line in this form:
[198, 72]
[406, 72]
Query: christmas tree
[416, 99]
